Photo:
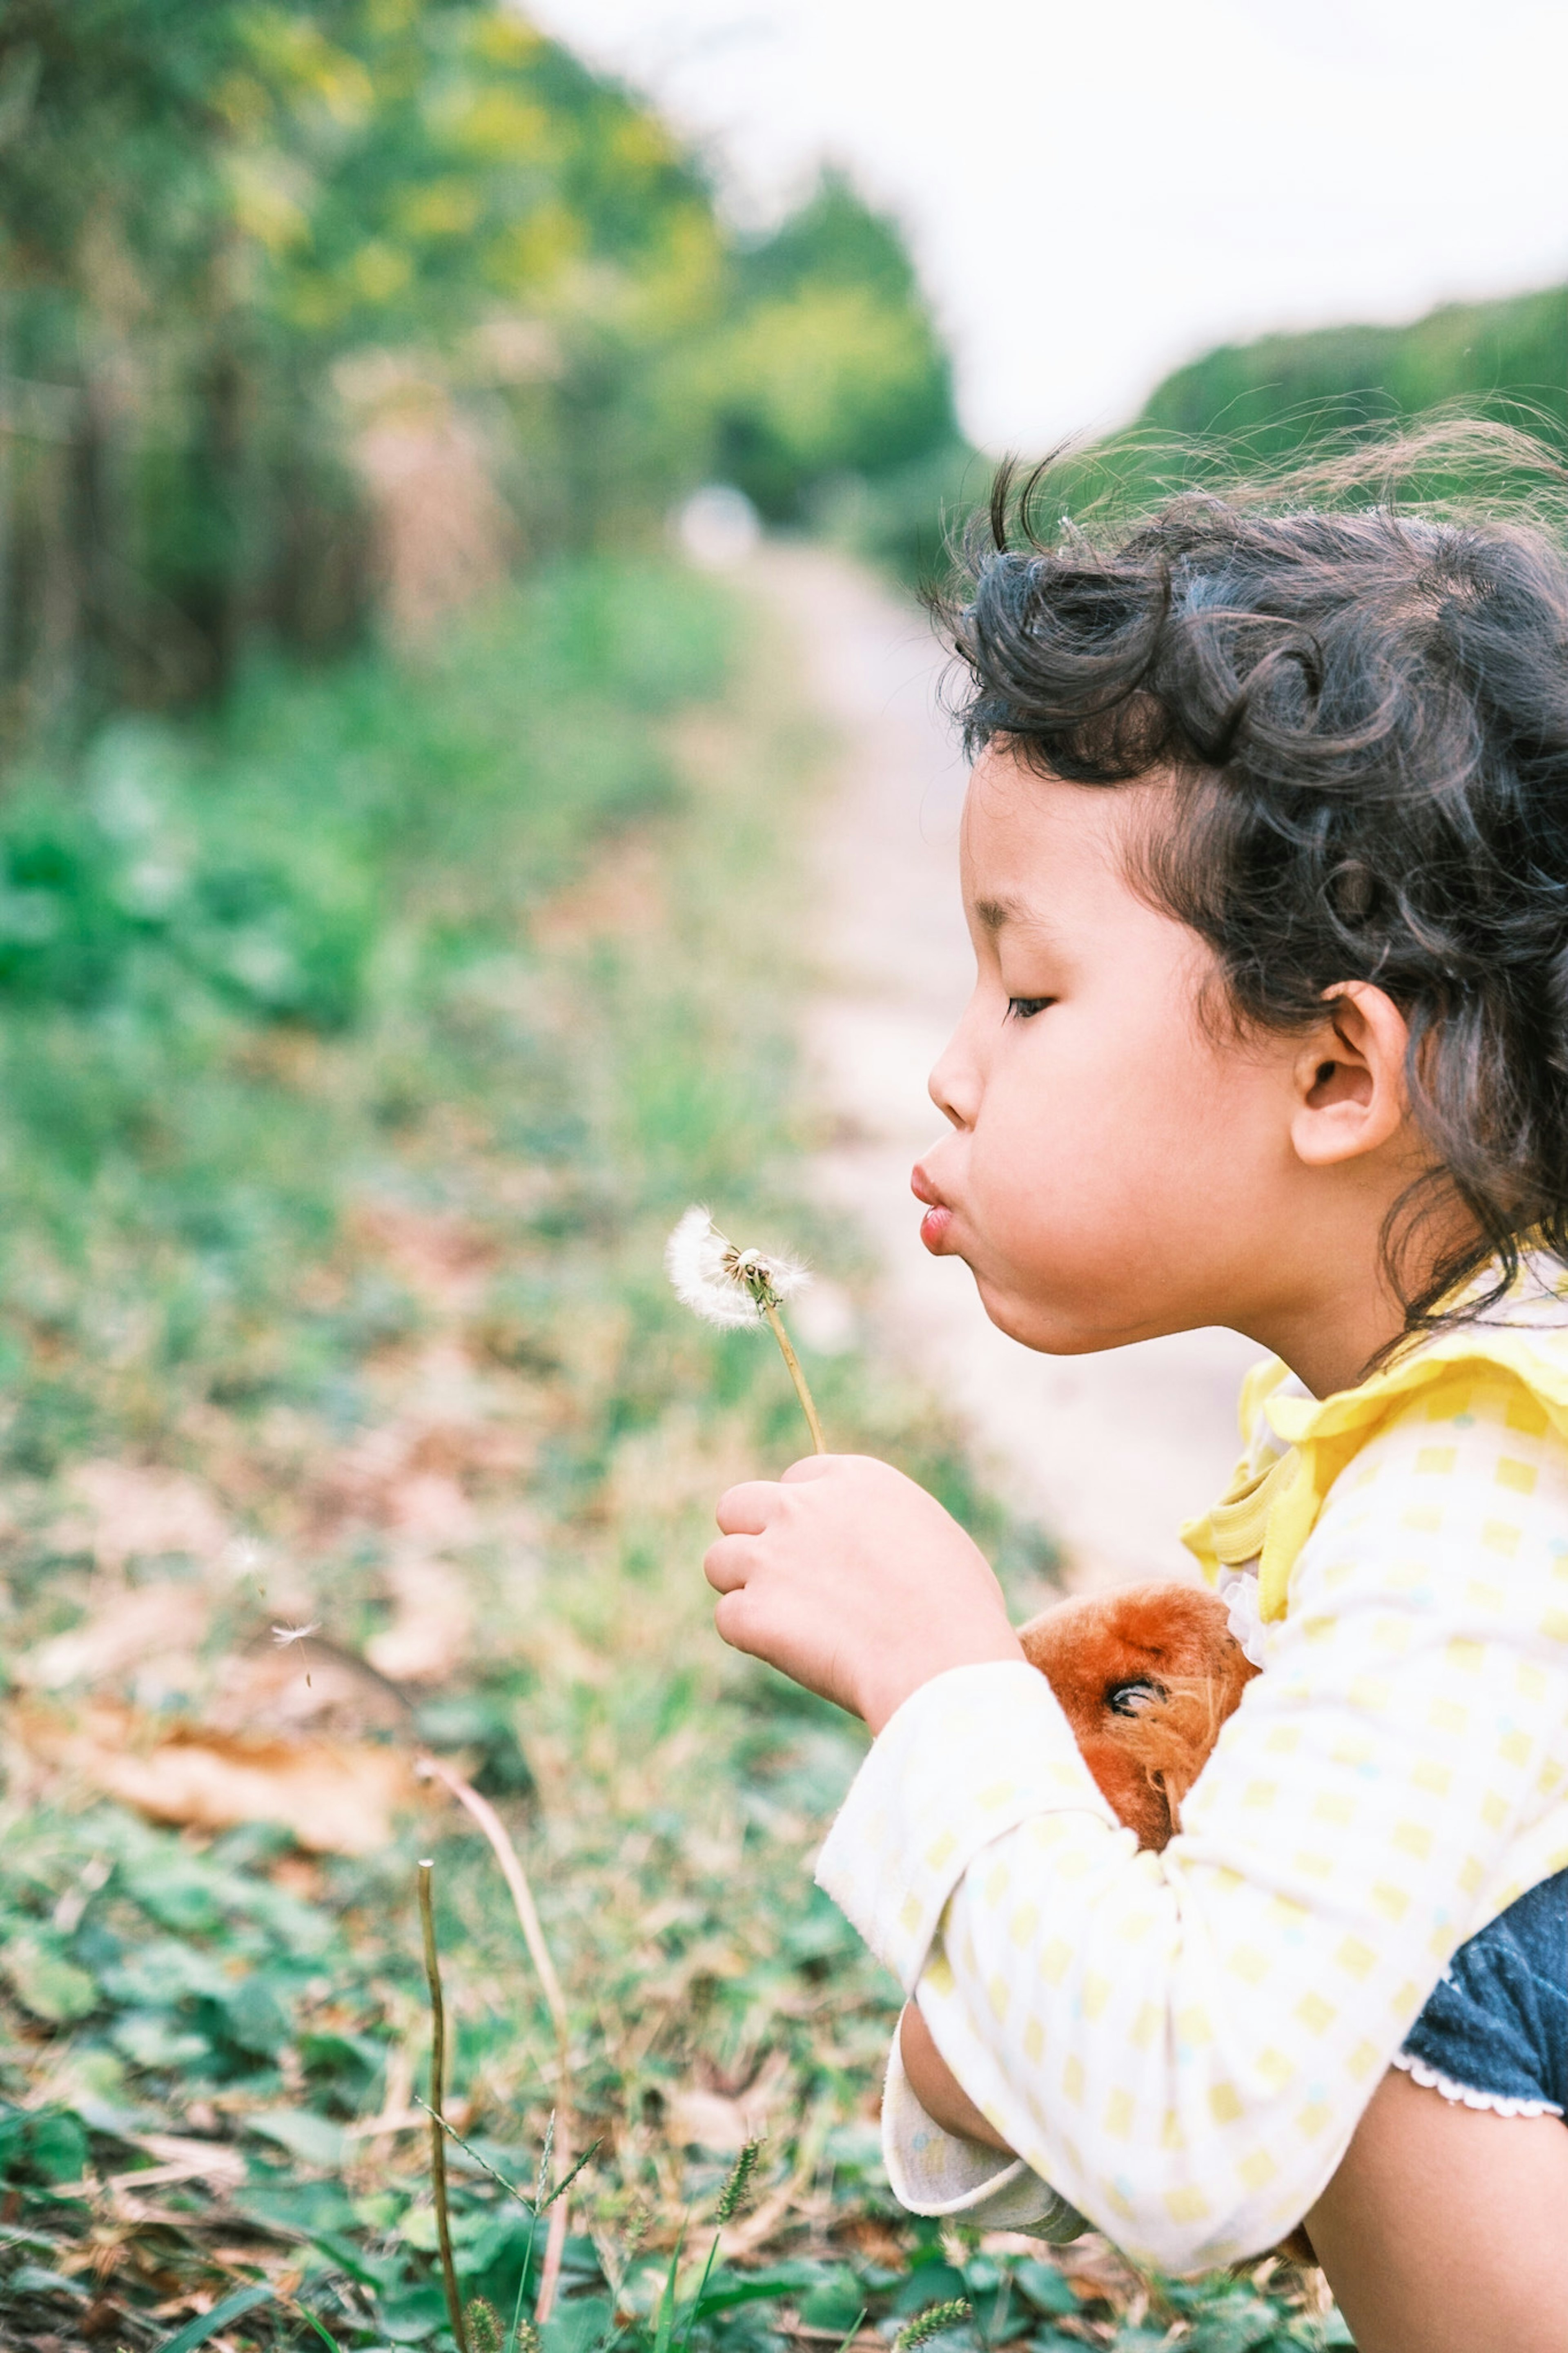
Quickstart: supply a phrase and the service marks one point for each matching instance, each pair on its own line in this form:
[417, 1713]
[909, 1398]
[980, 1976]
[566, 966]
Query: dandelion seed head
[724, 1285]
[284, 1635]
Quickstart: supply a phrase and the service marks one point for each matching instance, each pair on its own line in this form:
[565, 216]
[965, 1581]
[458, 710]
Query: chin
[1050, 1329]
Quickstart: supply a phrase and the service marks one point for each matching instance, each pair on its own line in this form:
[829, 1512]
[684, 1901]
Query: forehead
[1032, 845]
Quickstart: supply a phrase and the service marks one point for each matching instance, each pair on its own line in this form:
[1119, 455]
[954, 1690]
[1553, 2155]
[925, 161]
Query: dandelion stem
[792, 1365]
[516, 1878]
[437, 2135]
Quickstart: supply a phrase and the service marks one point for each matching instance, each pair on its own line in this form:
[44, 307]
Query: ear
[1349, 1079]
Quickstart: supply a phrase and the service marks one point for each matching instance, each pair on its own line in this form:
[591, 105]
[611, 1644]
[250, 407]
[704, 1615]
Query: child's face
[1114, 1170]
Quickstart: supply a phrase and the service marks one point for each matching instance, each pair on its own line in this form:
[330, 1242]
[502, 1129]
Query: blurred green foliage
[552, 871]
[237, 240]
[1277, 396]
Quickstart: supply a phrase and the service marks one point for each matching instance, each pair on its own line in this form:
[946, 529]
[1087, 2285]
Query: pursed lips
[938, 1216]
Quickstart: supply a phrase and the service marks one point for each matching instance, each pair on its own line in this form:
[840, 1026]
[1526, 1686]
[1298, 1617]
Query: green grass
[362, 1235]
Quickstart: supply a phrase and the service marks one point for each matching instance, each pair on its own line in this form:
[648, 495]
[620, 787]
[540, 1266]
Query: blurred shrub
[259, 859]
[1278, 394]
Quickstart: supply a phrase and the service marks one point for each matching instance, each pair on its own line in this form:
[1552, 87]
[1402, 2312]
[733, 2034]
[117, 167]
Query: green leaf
[757, 2288]
[207, 2324]
[313, 2139]
[44, 1982]
[47, 2142]
[578, 2325]
[1047, 2289]
[32, 2279]
[665, 2327]
[833, 2303]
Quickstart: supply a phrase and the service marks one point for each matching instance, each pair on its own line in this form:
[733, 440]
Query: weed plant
[360, 1046]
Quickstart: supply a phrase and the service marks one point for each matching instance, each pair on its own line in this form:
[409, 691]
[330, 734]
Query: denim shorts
[1495, 2032]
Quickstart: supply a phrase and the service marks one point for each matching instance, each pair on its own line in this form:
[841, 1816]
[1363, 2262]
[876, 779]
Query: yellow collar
[1272, 1503]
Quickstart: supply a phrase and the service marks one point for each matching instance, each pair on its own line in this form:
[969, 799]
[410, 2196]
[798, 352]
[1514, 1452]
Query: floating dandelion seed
[286, 1636]
[733, 1287]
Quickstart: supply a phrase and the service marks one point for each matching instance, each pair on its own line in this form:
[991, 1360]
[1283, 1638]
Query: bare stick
[437, 2138]
[792, 1365]
[512, 1871]
[516, 1878]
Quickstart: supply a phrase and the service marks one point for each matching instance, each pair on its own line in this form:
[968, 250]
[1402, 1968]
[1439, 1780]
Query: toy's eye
[1134, 1698]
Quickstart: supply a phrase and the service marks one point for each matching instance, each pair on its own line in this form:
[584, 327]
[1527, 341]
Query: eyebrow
[994, 914]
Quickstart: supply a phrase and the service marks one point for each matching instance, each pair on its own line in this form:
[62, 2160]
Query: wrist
[897, 1678]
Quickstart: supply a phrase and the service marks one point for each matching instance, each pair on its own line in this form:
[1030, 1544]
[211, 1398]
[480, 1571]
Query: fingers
[746, 1510]
[727, 1564]
[729, 1622]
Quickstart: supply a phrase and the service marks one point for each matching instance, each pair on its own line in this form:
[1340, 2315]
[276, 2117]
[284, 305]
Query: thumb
[815, 1466]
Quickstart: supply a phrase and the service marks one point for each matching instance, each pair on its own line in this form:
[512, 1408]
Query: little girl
[1266, 862]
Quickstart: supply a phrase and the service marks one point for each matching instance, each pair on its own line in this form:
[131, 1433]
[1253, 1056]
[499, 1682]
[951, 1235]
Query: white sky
[1096, 193]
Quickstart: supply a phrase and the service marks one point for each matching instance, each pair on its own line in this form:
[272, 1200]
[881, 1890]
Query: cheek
[1106, 1136]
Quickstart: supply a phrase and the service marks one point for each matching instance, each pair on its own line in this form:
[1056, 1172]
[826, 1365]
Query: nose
[954, 1084]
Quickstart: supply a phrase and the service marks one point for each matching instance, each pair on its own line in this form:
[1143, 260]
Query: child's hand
[855, 1582]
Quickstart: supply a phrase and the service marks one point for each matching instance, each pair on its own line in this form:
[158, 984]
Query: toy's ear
[1146, 1675]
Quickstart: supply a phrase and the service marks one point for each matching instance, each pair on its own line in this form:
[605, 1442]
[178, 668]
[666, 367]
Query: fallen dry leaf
[431, 1506]
[337, 1796]
[133, 1510]
[441, 1257]
[433, 1616]
[131, 1629]
[271, 1689]
[696, 2118]
[179, 2158]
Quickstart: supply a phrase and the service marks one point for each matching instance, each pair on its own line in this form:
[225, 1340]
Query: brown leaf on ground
[701, 2118]
[337, 1796]
[432, 1507]
[129, 1509]
[442, 1258]
[433, 1618]
[622, 896]
[134, 1629]
[272, 1689]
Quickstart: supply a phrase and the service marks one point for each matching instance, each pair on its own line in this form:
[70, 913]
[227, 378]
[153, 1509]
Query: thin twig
[437, 2140]
[792, 1365]
[516, 1878]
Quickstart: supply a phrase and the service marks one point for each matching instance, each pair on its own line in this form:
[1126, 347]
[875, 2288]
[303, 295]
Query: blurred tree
[831, 364]
[302, 304]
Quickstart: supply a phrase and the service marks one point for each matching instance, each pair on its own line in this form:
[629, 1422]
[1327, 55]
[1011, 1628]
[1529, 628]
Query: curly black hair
[1360, 693]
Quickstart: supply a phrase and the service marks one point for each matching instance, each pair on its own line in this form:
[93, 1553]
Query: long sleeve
[1182, 2044]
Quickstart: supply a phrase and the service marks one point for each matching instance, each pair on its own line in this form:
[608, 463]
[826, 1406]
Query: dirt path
[1109, 1452]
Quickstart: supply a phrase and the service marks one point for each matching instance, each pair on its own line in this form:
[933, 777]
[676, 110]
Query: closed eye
[1024, 1009]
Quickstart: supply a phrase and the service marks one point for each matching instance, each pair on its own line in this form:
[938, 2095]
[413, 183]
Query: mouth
[938, 1216]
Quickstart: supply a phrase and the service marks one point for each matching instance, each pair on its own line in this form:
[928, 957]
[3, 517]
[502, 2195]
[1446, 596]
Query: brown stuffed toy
[1146, 1676]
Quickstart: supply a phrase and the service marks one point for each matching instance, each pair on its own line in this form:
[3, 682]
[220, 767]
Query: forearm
[1181, 2045]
